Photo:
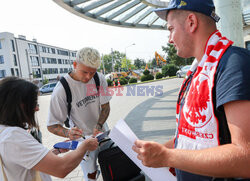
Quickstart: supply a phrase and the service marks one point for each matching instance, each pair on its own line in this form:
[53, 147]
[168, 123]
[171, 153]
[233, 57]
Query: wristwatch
[99, 126]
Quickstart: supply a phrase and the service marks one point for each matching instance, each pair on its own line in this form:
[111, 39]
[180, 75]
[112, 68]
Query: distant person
[90, 105]
[212, 140]
[22, 157]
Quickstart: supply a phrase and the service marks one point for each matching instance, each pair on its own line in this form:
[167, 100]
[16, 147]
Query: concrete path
[151, 117]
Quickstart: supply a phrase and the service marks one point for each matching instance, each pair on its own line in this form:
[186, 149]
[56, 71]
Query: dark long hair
[18, 99]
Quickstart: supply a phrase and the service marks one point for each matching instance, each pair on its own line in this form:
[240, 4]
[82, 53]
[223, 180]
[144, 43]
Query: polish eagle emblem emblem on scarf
[196, 110]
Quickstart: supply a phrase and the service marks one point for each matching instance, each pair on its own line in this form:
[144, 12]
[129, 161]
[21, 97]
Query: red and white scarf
[197, 125]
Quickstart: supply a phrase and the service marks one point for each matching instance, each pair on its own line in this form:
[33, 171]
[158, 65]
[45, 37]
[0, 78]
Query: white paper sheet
[124, 137]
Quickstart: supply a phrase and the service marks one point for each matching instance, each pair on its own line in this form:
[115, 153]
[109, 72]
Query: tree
[139, 63]
[173, 58]
[107, 59]
[154, 63]
[125, 64]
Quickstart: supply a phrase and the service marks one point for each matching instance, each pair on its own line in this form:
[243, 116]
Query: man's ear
[74, 64]
[192, 22]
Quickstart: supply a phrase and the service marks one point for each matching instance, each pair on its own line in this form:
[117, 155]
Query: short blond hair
[90, 57]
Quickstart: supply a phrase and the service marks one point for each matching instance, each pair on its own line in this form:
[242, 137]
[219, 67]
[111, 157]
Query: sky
[50, 24]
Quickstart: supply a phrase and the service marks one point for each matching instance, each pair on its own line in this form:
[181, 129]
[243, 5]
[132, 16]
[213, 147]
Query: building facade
[32, 60]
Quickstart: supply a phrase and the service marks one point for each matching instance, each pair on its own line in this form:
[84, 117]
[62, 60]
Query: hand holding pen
[75, 133]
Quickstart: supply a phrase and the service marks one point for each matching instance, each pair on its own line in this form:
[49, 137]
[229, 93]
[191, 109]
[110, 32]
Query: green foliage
[132, 80]
[126, 63]
[109, 82]
[107, 61]
[173, 58]
[169, 70]
[154, 63]
[139, 63]
[147, 77]
[45, 81]
[146, 72]
[123, 81]
[158, 75]
[150, 77]
[144, 78]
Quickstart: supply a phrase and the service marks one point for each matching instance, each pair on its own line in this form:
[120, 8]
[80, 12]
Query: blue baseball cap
[201, 6]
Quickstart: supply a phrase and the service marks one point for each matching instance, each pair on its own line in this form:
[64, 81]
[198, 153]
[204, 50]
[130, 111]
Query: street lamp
[126, 55]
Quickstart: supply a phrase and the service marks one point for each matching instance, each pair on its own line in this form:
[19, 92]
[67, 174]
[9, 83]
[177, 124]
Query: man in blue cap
[212, 140]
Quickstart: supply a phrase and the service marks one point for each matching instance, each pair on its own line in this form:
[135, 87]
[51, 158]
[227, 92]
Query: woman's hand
[91, 144]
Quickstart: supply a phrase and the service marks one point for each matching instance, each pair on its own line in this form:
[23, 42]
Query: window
[17, 73]
[32, 48]
[12, 71]
[45, 71]
[2, 73]
[53, 50]
[13, 46]
[62, 52]
[248, 45]
[40, 48]
[34, 61]
[0, 45]
[1, 59]
[36, 73]
[52, 85]
[53, 61]
[43, 60]
[15, 61]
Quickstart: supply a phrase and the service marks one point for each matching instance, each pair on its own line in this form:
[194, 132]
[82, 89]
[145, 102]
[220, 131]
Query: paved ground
[151, 117]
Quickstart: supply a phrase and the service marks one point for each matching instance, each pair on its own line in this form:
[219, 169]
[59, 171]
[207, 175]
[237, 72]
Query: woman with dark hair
[22, 157]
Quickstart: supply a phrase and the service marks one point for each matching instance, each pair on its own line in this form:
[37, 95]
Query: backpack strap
[97, 81]
[69, 98]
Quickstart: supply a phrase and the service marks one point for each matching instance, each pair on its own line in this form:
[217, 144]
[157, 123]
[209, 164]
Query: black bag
[69, 95]
[117, 166]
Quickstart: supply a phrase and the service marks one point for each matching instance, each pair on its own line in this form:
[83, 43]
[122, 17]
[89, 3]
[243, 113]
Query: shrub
[146, 72]
[169, 70]
[132, 80]
[144, 78]
[123, 81]
[45, 81]
[109, 82]
[158, 75]
[147, 77]
[150, 77]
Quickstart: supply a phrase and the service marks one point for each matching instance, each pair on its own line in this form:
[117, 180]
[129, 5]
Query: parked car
[47, 88]
[183, 71]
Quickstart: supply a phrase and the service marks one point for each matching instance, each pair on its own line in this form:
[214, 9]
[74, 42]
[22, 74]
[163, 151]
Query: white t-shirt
[20, 152]
[86, 104]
